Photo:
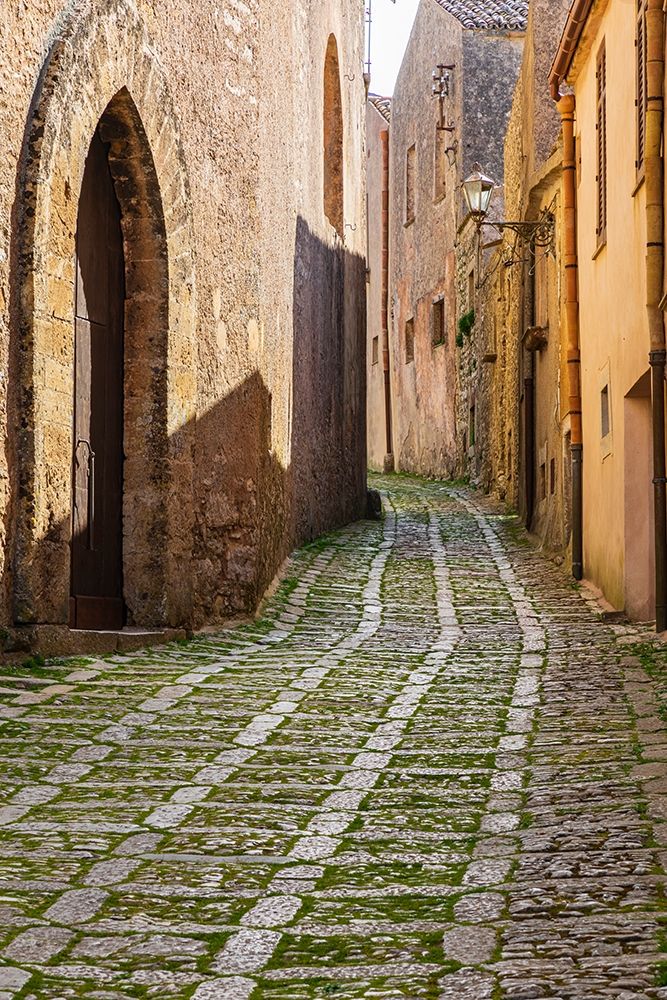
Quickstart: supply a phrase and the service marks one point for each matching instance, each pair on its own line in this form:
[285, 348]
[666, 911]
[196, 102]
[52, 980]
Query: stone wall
[422, 250]
[491, 64]
[522, 456]
[435, 394]
[245, 309]
[313, 280]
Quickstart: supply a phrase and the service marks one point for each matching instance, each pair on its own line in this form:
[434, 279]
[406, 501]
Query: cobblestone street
[430, 770]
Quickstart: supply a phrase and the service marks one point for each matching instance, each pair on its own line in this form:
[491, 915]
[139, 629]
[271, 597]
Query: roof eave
[574, 26]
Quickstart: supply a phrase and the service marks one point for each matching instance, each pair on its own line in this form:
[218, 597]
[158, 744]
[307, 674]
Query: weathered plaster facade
[244, 310]
[378, 397]
[615, 343]
[433, 381]
[517, 346]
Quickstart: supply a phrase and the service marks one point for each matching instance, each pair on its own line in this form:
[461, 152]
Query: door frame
[102, 67]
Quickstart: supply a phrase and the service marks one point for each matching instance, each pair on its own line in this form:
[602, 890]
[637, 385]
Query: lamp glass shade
[477, 190]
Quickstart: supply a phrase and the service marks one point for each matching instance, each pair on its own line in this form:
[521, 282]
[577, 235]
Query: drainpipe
[528, 360]
[566, 106]
[389, 456]
[529, 437]
[655, 254]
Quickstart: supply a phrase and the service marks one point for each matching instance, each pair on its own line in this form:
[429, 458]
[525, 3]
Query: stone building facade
[481, 45]
[242, 375]
[518, 347]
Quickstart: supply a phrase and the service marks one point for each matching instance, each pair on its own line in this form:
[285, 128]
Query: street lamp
[477, 190]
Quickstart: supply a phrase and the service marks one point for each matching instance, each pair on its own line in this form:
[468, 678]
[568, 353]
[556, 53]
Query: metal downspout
[389, 455]
[655, 211]
[529, 460]
[566, 107]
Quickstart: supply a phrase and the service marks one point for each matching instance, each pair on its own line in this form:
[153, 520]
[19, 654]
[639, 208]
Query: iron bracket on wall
[540, 233]
[533, 240]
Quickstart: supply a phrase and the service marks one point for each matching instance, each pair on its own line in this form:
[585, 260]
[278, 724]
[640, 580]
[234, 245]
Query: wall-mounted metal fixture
[478, 189]
[451, 152]
[441, 90]
[351, 77]
[532, 239]
[441, 76]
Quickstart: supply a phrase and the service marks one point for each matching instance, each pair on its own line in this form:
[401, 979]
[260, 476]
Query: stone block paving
[429, 770]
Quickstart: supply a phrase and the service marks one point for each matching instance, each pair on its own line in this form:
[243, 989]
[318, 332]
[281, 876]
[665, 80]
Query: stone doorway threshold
[59, 640]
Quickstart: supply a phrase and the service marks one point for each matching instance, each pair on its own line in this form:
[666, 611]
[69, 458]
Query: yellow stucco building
[604, 65]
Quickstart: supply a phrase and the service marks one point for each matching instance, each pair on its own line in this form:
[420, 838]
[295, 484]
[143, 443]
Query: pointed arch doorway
[102, 76]
[96, 600]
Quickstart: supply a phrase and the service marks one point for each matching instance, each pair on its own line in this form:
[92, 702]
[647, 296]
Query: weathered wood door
[97, 522]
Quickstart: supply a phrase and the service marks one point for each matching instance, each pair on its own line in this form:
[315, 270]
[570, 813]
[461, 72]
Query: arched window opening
[333, 140]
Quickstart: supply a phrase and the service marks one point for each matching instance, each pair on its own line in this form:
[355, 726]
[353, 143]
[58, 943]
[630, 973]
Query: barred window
[333, 140]
[438, 322]
[409, 341]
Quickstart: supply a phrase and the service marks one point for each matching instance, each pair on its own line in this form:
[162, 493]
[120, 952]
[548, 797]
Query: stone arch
[102, 71]
[334, 185]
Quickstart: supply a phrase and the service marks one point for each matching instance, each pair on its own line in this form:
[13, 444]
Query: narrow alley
[429, 770]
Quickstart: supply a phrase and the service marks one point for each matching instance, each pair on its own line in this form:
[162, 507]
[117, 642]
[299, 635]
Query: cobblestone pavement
[429, 771]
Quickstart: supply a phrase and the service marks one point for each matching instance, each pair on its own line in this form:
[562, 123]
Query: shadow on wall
[249, 510]
[328, 434]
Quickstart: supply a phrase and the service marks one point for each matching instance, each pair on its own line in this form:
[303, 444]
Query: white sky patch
[392, 24]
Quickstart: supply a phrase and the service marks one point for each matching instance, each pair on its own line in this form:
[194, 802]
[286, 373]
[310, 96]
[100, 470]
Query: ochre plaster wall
[614, 331]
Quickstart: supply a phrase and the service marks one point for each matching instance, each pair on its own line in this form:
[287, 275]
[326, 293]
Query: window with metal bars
[601, 128]
[409, 341]
[438, 322]
[642, 83]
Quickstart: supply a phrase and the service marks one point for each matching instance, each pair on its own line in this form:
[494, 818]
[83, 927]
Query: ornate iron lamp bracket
[539, 234]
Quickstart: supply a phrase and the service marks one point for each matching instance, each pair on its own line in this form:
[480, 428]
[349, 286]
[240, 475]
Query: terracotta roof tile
[382, 104]
[505, 15]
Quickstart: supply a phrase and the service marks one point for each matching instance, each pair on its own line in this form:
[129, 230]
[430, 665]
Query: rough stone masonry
[243, 368]
[429, 770]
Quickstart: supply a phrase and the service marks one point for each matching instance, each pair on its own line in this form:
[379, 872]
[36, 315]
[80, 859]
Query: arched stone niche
[103, 71]
[334, 169]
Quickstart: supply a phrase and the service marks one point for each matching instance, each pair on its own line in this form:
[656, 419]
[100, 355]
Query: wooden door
[97, 522]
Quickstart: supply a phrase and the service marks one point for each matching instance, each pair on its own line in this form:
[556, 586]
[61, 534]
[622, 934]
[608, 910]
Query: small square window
[543, 481]
[605, 417]
[409, 341]
[552, 476]
[471, 290]
[438, 323]
[376, 350]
